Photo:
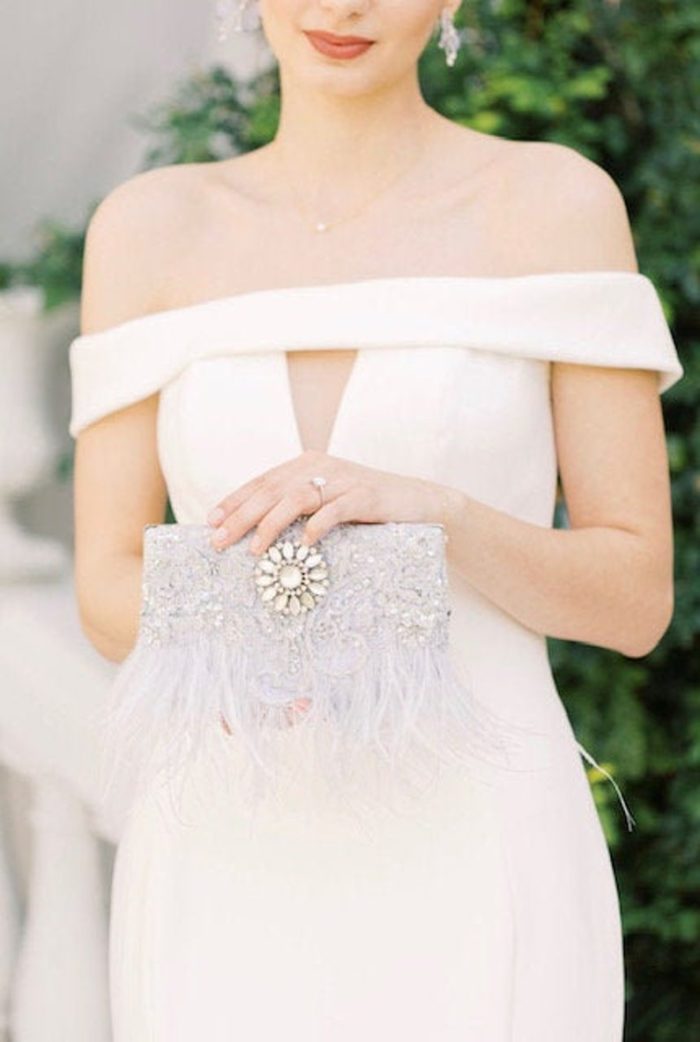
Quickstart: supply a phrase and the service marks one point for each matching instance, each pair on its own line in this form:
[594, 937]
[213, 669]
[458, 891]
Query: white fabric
[490, 915]
[600, 318]
[53, 683]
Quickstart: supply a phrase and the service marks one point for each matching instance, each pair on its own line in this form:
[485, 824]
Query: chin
[341, 84]
[346, 79]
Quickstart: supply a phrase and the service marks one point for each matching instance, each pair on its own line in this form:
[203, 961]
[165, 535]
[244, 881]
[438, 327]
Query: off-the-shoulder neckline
[316, 288]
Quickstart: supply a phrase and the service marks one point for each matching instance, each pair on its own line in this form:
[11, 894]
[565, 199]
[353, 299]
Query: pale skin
[464, 203]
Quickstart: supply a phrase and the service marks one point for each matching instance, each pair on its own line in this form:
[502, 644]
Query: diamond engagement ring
[319, 481]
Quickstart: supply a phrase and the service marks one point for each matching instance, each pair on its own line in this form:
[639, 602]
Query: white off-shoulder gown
[492, 914]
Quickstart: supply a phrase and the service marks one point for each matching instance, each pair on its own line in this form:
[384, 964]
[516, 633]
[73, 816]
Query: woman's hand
[353, 492]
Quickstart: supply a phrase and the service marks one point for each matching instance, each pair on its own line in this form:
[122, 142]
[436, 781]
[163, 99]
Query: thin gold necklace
[325, 225]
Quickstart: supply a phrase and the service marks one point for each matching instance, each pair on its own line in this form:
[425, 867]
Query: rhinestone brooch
[291, 577]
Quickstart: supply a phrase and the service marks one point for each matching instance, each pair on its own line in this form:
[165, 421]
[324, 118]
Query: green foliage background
[620, 82]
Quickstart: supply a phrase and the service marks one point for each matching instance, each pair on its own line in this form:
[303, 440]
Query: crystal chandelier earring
[231, 15]
[449, 36]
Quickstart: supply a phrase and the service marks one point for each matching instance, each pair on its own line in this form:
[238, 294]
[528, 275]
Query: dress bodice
[451, 383]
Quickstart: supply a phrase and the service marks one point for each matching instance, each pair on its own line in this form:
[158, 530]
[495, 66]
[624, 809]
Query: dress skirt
[486, 911]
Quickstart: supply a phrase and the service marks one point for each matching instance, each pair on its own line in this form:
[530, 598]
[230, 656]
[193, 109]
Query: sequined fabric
[387, 585]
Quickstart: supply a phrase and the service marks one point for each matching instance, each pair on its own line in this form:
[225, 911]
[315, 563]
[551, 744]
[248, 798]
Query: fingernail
[215, 515]
[219, 535]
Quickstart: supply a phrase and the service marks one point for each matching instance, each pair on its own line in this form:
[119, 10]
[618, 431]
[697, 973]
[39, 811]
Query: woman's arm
[118, 488]
[118, 484]
[608, 579]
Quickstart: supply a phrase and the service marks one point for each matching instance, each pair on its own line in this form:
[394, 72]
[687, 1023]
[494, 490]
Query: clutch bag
[344, 644]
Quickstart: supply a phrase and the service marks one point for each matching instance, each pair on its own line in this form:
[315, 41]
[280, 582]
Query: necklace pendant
[321, 226]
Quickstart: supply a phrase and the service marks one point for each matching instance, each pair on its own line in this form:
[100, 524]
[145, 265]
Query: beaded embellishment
[291, 577]
[221, 666]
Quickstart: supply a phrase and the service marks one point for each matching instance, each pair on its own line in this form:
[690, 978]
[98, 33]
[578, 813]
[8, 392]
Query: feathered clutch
[344, 643]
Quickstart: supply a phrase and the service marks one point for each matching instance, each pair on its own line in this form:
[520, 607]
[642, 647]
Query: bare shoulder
[564, 211]
[132, 237]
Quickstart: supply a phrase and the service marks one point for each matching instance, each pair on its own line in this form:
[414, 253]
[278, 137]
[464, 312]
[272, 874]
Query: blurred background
[94, 93]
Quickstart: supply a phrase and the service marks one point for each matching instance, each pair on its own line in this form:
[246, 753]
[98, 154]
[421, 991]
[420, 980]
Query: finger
[226, 506]
[326, 517]
[277, 503]
[221, 510]
[303, 500]
[247, 514]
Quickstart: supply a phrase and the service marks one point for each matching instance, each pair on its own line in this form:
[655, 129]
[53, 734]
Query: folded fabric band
[347, 640]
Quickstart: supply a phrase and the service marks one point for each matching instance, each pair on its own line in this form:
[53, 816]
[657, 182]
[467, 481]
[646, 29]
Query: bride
[379, 317]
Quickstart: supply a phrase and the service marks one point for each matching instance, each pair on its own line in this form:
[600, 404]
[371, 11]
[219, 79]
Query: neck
[338, 148]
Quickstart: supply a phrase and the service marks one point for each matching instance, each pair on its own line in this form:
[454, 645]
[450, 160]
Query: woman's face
[399, 31]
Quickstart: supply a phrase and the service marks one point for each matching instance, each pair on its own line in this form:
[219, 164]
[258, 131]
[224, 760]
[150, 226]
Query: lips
[338, 46]
[332, 38]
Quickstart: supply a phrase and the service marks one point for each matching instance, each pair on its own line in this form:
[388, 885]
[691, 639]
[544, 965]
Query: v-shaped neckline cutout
[341, 409]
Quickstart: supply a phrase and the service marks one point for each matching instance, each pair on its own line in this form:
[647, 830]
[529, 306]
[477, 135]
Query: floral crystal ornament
[290, 577]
